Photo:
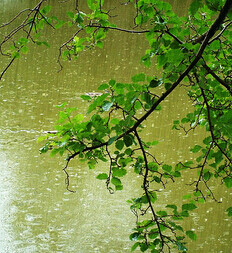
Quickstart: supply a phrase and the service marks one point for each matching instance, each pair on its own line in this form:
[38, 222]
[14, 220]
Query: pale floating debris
[50, 132]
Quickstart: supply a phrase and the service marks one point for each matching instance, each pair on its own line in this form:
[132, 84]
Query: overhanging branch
[204, 44]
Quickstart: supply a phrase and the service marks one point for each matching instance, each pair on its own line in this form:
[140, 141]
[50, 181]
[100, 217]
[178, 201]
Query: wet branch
[17, 29]
[222, 82]
[146, 185]
[204, 44]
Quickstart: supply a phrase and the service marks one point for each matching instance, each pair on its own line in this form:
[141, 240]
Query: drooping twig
[145, 187]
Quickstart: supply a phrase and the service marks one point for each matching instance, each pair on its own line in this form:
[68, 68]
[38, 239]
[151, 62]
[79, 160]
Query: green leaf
[229, 211]
[196, 148]
[91, 4]
[155, 250]
[153, 166]
[153, 234]
[46, 9]
[24, 50]
[112, 139]
[207, 140]
[134, 247]
[167, 86]
[15, 55]
[128, 139]
[143, 247]
[54, 152]
[70, 14]
[155, 83]
[188, 196]
[45, 43]
[134, 236]
[162, 59]
[152, 143]
[188, 207]
[119, 187]
[181, 246]
[162, 213]
[44, 149]
[167, 168]
[228, 182]
[117, 172]
[106, 107]
[153, 197]
[85, 97]
[112, 82]
[116, 181]
[119, 144]
[42, 138]
[214, 5]
[103, 86]
[23, 41]
[157, 179]
[191, 235]
[99, 44]
[59, 24]
[138, 78]
[156, 242]
[102, 176]
[207, 175]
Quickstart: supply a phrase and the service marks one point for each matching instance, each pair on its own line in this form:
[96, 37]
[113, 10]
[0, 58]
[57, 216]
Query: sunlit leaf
[116, 181]
[102, 176]
[138, 78]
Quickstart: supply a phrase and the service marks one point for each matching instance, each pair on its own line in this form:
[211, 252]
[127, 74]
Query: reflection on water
[37, 214]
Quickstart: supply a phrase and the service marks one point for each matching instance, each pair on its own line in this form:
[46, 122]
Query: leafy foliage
[192, 51]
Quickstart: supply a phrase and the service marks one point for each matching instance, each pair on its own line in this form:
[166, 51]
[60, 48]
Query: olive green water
[37, 214]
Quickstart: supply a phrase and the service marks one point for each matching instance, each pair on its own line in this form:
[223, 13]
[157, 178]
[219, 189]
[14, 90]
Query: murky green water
[37, 214]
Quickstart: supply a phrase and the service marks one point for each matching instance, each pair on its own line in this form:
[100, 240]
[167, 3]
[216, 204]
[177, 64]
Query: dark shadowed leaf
[188, 207]
[119, 144]
[128, 139]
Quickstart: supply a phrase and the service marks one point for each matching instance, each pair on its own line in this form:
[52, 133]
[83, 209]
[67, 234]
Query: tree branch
[222, 31]
[222, 82]
[145, 187]
[209, 35]
[14, 18]
[24, 23]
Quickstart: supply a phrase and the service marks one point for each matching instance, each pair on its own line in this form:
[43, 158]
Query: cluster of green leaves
[17, 41]
[93, 24]
[105, 137]
[112, 129]
[110, 115]
[166, 220]
[19, 46]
